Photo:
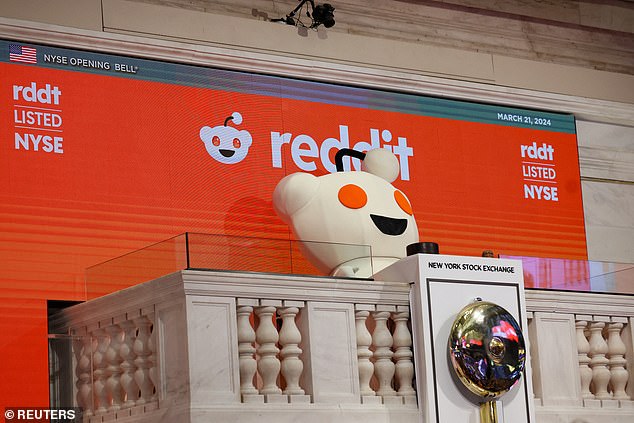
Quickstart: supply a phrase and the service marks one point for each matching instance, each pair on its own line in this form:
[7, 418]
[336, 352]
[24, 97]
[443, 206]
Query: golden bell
[487, 352]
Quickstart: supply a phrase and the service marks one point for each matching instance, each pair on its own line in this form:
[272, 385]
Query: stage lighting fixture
[322, 14]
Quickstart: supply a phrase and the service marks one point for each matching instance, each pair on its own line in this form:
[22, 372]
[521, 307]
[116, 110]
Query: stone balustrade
[250, 347]
[198, 345]
[582, 354]
[116, 366]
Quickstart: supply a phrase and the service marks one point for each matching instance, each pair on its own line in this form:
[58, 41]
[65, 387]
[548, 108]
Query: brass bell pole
[489, 412]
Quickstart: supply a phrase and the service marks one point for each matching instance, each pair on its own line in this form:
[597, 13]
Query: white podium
[441, 286]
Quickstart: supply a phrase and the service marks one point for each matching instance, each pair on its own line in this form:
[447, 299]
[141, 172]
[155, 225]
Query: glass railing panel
[223, 253]
[577, 275]
[139, 266]
[251, 254]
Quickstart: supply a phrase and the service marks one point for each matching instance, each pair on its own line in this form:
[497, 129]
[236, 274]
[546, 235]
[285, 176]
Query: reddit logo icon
[225, 143]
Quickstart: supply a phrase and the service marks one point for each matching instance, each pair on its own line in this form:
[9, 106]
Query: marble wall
[606, 156]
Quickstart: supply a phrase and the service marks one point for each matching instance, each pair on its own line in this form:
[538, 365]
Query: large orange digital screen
[101, 155]
[104, 154]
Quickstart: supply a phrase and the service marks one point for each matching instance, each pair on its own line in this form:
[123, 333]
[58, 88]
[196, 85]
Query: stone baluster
[382, 341]
[246, 350]
[364, 354]
[99, 372]
[598, 361]
[290, 337]
[583, 348]
[403, 353]
[113, 368]
[82, 348]
[266, 336]
[151, 360]
[141, 348]
[616, 356]
[127, 366]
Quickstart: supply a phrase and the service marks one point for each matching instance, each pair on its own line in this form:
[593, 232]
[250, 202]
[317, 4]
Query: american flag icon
[18, 53]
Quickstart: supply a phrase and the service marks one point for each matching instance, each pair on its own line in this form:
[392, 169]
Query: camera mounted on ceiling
[321, 14]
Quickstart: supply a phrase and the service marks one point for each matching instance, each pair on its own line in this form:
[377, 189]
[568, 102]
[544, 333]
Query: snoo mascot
[351, 223]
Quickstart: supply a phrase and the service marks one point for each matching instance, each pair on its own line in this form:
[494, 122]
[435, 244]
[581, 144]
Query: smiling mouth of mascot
[226, 153]
[389, 225]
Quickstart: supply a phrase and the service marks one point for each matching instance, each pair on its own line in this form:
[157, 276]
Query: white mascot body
[351, 224]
